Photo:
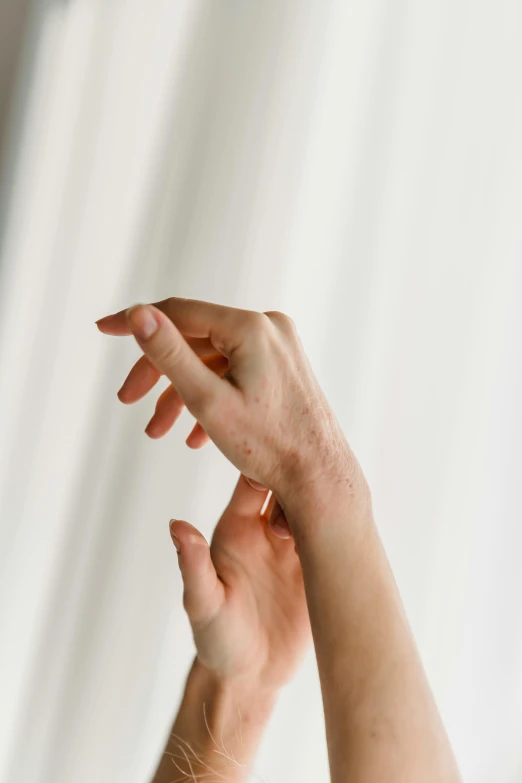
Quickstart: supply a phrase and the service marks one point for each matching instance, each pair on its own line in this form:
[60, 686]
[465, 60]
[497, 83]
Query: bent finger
[225, 327]
[166, 348]
[168, 410]
[197, 438]
[277, 520]
[204, 593]
[142, 377]
[245, 500]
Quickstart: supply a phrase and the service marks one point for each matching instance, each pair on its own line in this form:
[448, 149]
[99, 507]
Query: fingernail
[142, 321]
[281, 531]
[174, 537]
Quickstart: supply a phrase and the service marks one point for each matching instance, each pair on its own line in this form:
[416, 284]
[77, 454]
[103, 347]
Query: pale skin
[311, 567]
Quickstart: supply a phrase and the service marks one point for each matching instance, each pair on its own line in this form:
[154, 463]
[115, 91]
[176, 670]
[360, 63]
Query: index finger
[193, 318]
[116, 324]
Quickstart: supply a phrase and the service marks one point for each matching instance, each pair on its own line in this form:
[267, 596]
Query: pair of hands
[245, 378]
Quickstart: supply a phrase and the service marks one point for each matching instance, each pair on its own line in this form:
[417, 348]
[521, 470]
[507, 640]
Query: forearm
[381, 719]
[217, 730]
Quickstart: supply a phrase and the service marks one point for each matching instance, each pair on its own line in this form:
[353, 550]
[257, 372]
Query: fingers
[250, 502]
[144, 376]
[247, 501]
[225, 327]
[203, 591]
[276, 519]
[166, 349]
[168, 410]
[141, 379]
[197, 438]
[203, 348]
[115, 324]
[190, 316]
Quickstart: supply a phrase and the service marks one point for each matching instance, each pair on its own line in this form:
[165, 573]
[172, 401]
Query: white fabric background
[356, 164]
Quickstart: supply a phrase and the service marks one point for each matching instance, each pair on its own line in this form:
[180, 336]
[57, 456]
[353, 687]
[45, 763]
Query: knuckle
[167, 356]
[282, 320]
[255, 322]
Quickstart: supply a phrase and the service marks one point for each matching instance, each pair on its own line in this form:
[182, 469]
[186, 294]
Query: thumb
[165, 347]
[204, 592]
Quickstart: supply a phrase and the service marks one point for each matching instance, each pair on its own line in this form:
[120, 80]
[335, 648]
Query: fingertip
[101, 324]
[195, 444]
[255, 484]
[174, 536]
[197, 437]
[120, 394]
[152, 433]
[280, 531]
[114, 324]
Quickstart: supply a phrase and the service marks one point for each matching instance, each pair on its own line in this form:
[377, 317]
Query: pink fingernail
[174, 537]
[281, 531]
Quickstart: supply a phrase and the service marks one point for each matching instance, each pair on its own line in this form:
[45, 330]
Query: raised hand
[264, 410]
[244, 595]
[247, 381]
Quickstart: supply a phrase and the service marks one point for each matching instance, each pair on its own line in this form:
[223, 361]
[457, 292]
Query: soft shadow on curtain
[355, 164]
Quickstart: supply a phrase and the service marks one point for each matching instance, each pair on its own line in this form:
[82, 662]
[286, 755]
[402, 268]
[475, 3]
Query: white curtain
[354, 163]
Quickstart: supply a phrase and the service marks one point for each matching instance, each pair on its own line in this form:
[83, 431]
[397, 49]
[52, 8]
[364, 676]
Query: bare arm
[269, 417]
[381, 720]
[245, 600]
[217, 730]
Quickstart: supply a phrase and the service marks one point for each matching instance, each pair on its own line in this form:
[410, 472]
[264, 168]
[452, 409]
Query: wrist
[234, 705]
[312, 494]
[218, 728]
[246, 689]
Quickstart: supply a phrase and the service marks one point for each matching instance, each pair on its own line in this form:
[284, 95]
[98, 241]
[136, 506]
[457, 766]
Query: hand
[244, 595]
[246, 379]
